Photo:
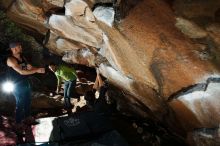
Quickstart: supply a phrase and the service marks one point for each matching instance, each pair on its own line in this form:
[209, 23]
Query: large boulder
[155, 59]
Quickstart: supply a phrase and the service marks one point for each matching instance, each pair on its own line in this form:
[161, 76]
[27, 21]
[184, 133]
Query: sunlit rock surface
[155, 56]
[105, 14]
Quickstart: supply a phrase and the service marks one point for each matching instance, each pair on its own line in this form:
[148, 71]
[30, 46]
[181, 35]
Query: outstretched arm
[11, 62]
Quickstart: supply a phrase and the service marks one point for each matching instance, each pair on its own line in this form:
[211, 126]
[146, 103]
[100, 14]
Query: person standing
[69, 76]
[19, 69]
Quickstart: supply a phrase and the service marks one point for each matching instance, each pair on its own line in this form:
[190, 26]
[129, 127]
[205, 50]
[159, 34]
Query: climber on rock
[19, 69]
[102, 104]
[68, 74]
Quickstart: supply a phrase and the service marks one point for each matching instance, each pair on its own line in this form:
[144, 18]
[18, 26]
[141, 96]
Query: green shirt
[66, 73]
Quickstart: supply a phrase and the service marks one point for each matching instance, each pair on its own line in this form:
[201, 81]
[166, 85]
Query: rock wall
[204, 136]
[159, 55]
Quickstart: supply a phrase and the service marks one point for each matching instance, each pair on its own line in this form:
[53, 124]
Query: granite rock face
[28, 14]
[204, 136]
[160, 55]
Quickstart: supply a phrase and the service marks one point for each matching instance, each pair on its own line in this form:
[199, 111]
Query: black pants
[69, 92]
[22, 95]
